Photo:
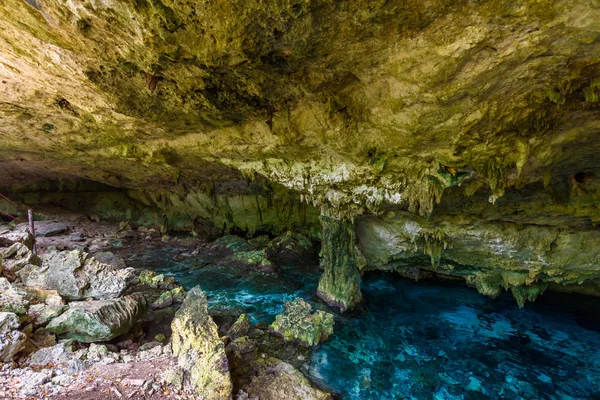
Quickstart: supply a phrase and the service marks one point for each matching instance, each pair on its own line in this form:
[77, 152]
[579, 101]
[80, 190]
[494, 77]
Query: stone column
[340, 284]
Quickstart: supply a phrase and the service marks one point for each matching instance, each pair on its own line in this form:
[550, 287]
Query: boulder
[17, 256]
[12, 299]
[240, 328]
[199, 350]
[11, 339]
[99, 320]
[279, 380]
[20, 234]
[297, 323]
[41, 314]
[76, 276]
[233, 243]
[46, 228]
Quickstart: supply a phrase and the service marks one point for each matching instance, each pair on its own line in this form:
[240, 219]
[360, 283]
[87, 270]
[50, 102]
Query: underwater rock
[297, 323]
[278, 380]
[340, 283]
[11, 339]
[199, 350]
[76, 276]
[99, 320]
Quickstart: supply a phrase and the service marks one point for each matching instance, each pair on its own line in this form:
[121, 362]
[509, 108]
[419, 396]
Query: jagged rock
[153, 279]
[342, 259]
[163, 301]
[99, 320]
[240, 328]
[12, 299]
[528, 292]
[17, 256]
[278, 380]
[20, 234]
[46, 229]
[12, 340]
[199, 350]
[41, 314]
[76, 276]
[58, 354]
[298, 323]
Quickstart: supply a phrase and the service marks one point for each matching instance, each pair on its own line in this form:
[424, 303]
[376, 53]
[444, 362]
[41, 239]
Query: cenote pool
[420, 340]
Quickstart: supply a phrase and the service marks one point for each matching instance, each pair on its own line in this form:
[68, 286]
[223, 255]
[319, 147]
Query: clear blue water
[421, 340]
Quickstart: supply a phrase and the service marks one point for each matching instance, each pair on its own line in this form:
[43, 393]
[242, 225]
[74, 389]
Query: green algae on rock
[199, 350]
[342, 259]
[298, 323]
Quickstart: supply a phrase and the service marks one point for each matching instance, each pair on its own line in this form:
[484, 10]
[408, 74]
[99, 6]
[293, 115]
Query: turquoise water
[421, 340]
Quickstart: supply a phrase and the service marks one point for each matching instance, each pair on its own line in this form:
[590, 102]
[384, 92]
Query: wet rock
[233, 243]
[253, 259]
[153, 279]
[99, 320]
[12, 340]
[46, 229]
[199, 350]
[297, 323]
[76, 276]
[279, 380]
[239, 328]
[163, 301]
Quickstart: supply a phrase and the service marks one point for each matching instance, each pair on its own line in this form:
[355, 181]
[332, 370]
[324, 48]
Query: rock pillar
[340, 284]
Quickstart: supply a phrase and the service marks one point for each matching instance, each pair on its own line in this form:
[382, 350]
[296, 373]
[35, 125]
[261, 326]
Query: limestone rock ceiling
[353, 104]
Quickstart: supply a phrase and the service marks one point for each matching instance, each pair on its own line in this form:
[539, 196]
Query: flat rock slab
[100, 320]
[45, 229]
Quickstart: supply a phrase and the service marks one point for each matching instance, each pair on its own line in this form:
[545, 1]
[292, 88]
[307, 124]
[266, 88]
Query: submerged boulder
[76, 276]
[11, 339]
[99, 320]
[277, 380]
[298, 323]
[199, 350]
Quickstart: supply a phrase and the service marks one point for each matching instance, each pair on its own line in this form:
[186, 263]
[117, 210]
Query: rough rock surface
[150, 111]
[199, 350]
[276, 380]
[99, 320]
[342, 259]
[76, 276]
[11, 339]
[298, 323]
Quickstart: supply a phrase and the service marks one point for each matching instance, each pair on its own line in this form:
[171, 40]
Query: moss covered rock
[298, 323]
[199, 350]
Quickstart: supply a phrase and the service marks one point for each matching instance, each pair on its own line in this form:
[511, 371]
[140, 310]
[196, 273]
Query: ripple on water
[420, 341]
